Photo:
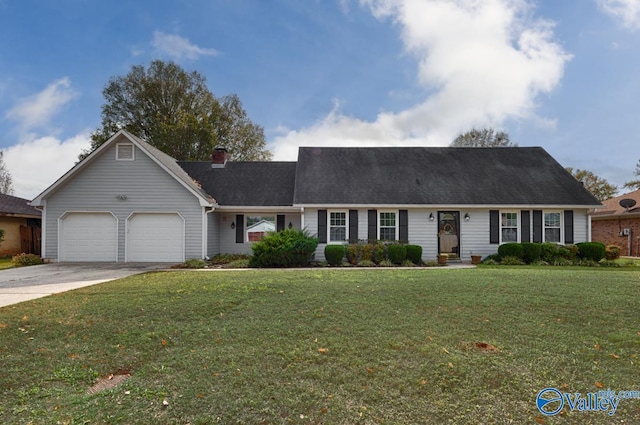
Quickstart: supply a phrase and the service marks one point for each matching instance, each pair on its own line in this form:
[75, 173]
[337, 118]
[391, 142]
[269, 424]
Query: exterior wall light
[431, 218]
[233, 225]
[466, 217]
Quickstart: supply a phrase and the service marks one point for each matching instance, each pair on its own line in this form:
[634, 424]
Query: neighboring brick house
[21, 224]
[615, 225]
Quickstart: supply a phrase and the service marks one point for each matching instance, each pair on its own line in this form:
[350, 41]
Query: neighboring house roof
[162, 159]
[17, 207]
[613, 209]
[435, 176]
[246, 183]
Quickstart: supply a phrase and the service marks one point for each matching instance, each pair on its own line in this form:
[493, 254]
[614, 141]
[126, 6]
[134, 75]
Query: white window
[337, 226]
[388, 226]
[509, 227]
[552, 227]
[258, 226]
[124, 152]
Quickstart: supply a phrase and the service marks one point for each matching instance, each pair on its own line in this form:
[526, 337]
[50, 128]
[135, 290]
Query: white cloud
[627, 11]
[482, 62]
[37, 164]
[178, 47]
[37, 110]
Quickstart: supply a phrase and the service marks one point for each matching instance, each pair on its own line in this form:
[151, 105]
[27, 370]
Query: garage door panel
[88, 237]
[155, 237]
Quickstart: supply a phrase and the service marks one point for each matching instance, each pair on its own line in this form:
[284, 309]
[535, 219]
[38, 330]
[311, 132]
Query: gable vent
[124, 152]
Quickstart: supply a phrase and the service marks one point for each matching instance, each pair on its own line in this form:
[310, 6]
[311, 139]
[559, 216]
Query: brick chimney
[219, 157]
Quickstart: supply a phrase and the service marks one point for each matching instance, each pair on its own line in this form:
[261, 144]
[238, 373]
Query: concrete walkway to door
[27, 283]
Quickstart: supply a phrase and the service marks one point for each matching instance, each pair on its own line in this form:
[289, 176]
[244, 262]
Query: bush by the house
[397, 253]
[531, 252]
[511, 260]
[288, 248]
[511, 249]
[373, 251]
[414, 253]
[594, 251]
[569, 252]
[549, 252]
[220, 259]
[612, 252]
[334, 254]
[26, 260]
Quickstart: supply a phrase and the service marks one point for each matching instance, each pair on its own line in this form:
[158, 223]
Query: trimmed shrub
[26, 260]
[511, 249]
[612, 252]
[397, 253]
[593, 251]
[288, 248]
[549, 252]
[492, 258]
[352, 253]
[386, 263]
[408, 263]
[366, 263]
[378, 252]
[570, 252]
[334, 254]
[414, 253]
[531, 252]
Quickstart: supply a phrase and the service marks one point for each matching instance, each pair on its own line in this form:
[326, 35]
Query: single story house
[618, 225]
[127, 201]
[21, 224]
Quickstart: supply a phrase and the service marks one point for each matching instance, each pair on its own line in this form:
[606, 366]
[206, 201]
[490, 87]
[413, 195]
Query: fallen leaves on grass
[109, 382]
[598, 384]
[485, 347]
[323, 350]
[614, 355]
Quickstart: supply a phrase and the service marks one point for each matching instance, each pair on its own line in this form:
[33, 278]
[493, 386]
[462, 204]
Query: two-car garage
[148, 237]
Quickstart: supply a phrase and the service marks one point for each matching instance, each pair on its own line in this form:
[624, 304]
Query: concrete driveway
[27, 283]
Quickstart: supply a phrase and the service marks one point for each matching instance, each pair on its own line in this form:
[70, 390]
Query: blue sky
[563, 75]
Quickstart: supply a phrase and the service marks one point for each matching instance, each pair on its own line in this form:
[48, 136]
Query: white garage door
[88, 237]
[155, 237]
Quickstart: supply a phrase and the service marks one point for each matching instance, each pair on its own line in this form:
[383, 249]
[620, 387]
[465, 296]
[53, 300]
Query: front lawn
[324, 347]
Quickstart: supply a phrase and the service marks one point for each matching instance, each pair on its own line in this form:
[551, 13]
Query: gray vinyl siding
[213, 227]
[225, 236]
[581, 226]
[147, 187]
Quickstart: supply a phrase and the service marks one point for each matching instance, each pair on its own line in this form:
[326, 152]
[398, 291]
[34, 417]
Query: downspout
[205, 236]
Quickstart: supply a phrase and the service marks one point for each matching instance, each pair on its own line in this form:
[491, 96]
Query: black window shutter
[280, 222]
[525, 226]
[568, 226]
[353, 226]
[403, 221]
[322, 226]
[494, 226]
[239, 228]
[372, 225]
[537, 225]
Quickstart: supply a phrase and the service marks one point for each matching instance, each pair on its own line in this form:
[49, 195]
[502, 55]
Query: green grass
[324, 347]
[5, 263]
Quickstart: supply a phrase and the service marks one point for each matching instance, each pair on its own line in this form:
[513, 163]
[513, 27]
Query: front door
[449, 233]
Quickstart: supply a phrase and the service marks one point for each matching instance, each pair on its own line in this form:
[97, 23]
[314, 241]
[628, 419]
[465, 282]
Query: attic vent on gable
[124, 152]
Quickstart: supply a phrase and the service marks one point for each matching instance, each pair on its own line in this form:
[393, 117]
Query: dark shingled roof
[14, 206]
[440, 176]
[246, 183]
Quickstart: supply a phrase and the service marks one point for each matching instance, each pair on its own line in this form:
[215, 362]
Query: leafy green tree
[634, 184]
[174, 111]
[598, 186]
[6, 181]
[482, 138]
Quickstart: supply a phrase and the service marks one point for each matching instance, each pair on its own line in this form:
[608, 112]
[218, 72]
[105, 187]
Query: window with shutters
[338, 225]
[388, 226]
[552, 227]
[124, 151]
[257, 227]
[509, 227]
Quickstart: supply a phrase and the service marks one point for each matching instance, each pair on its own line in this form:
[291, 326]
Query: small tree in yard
[288, 248]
